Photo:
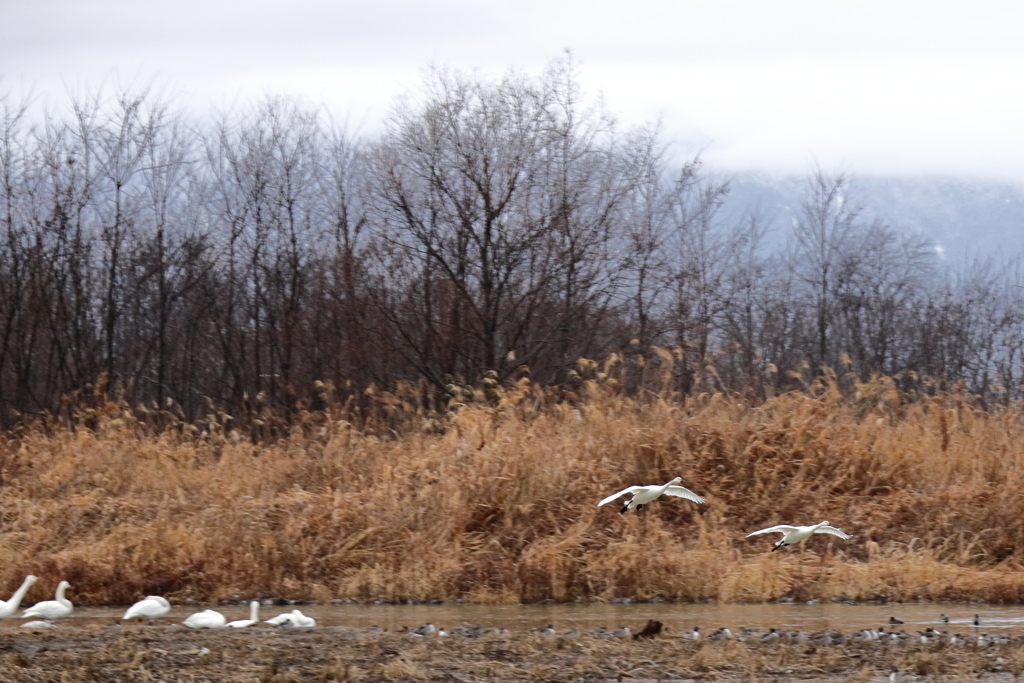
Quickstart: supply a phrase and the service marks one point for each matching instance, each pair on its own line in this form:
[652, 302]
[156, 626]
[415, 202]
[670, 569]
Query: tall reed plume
[496, 499]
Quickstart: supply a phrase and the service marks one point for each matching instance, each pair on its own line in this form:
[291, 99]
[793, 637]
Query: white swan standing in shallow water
[642, 495]
[147, 609]
[254, 617]
[293, 619]
[208, 618]
[11, 606]
[52, 609]
[795, 534]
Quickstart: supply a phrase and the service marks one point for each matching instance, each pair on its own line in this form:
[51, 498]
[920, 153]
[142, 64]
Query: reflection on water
[677, 617]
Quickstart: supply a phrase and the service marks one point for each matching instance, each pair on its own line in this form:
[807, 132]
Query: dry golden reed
[496, 502]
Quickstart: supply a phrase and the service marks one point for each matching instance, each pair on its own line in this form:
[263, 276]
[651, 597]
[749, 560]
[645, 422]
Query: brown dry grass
[496, 501]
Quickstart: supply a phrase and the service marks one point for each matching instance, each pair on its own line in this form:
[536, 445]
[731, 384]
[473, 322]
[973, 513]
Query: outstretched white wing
[631, 489]
[779, 528]
[683, 492]
[832, 530]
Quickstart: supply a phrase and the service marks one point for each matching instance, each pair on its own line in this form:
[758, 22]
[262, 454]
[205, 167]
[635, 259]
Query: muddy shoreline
[134, 652]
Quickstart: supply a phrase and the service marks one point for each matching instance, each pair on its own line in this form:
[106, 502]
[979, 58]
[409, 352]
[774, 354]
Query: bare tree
[172, 255]
[880, 281]
[647, 215]
[702, 249]
[494, 222]
[504, 197]
[822, 238]
[345, 325]
[747, 290]
[117, 144]
[18, 261]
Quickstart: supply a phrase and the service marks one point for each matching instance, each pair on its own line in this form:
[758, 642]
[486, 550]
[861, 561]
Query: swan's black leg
[639, 508]
[624, 509]
[776, 547]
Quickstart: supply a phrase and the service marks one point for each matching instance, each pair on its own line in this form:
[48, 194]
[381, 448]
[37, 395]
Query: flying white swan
[147, 609]
[642, 495]
[254, 617]
[293, 619]
[52, 609]
[795, 534]
[208, 618]
[11, 606]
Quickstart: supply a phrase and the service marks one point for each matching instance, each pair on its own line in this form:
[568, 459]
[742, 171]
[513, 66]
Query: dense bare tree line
[493, 224]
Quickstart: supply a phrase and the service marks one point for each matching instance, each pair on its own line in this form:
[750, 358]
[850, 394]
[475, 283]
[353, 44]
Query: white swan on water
[38, 624]
[208, 618]
[11, 606]
[795, 534]
[642, 495]
[147, 609]
[299, 620]
[293, 619]
[52, 609]
[254, 617]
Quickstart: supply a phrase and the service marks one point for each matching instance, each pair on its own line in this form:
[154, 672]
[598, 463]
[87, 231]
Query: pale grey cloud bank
[875, 87]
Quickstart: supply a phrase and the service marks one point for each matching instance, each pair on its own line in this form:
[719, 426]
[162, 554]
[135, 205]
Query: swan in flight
[642, 495]
[795, 534]
[52, 609]
[293, 619]
[11, 606]
[208, 618]
[254, 617]
[147, 609]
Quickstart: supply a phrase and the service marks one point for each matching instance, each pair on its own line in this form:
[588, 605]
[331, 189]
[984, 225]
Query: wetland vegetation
[496, 501]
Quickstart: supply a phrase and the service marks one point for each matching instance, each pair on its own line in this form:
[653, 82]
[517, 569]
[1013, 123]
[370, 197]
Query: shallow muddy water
[92, 645]
[677, 617]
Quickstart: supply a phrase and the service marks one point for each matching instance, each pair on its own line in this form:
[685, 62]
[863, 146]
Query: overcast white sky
[893, 86]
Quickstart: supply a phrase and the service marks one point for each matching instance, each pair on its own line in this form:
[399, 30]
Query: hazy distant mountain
[962, 216]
